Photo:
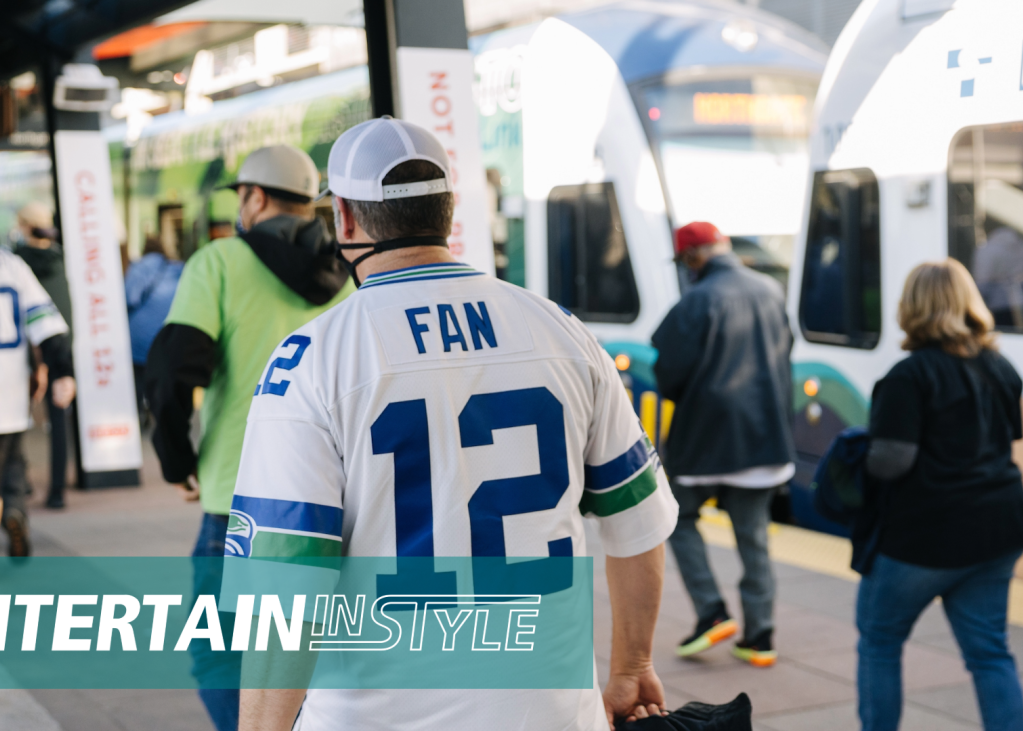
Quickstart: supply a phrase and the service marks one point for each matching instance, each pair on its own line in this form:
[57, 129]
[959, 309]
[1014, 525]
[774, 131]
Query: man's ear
[262, 200]
[347, 220]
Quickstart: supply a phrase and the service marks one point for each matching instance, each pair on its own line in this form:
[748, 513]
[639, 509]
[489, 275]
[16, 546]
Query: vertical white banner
[107, 414]
[435, 87]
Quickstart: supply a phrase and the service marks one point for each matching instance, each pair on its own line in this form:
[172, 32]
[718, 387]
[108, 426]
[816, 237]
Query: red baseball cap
[697, 233]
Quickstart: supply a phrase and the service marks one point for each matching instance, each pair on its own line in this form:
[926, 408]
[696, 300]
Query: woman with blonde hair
[950, 498]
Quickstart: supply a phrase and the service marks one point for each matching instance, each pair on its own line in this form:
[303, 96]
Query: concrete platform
[812, 687]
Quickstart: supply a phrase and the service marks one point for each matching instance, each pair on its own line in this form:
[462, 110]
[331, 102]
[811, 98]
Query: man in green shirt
[237, 299]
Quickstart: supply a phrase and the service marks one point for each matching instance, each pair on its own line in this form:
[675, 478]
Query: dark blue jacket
[149, 288]
[724, 361]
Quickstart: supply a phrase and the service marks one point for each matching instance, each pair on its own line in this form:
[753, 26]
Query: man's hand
[634, 696]
[189, 489]
[63, 392]
[39, 381]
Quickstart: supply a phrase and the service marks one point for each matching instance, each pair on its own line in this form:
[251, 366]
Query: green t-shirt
[229, 294]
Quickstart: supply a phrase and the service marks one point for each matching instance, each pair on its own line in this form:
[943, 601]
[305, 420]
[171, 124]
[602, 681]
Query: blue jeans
[218, 673]
[749, 510]
[975, 600]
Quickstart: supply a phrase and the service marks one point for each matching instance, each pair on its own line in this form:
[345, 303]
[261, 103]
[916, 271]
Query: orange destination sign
[752, 110]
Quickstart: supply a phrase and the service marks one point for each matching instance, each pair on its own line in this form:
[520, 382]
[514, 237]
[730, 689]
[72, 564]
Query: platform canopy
[306, 12]
[32, 31]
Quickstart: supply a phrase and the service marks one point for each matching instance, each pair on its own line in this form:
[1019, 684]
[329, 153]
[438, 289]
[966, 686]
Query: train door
[985, 221]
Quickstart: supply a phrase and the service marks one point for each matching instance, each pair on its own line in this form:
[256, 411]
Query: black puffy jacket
[724, 361]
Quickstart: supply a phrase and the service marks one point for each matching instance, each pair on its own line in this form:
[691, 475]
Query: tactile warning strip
[820, 552]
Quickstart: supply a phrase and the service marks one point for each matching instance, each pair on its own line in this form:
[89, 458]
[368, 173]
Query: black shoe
[16, 525]
[55, 501]
[708, 633]
[758, 652]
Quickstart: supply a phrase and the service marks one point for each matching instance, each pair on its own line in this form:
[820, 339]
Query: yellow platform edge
[819, 552]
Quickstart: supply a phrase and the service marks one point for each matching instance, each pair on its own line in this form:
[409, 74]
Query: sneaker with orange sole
[759, 652]
[708, 633]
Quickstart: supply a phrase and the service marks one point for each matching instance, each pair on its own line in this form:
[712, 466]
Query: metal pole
[47, 76]
[380, 50]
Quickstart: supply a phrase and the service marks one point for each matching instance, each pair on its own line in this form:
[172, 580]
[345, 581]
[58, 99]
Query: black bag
[843, 493]
[734, 716]
[839, 481]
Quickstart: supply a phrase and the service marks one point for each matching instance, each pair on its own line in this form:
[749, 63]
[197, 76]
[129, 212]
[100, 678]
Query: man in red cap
[724, 361]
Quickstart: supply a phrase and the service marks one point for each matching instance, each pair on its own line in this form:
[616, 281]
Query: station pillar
[421, 70]
[108, 446]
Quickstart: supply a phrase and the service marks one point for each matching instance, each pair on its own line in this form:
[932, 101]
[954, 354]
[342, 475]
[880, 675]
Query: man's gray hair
[426, 215]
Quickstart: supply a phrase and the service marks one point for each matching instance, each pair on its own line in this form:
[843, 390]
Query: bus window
[589, 270]
[985, 215]
[840, 303]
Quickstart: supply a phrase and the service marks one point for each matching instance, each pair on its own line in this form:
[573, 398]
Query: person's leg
[890, 599]
[218, 673]
[6, 442]
[58, 452]
[691, 553]
[750, 513]
[976, 608]
[16, 489]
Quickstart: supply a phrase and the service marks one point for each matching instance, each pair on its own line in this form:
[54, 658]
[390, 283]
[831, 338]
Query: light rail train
[916, 154]
[603, 130]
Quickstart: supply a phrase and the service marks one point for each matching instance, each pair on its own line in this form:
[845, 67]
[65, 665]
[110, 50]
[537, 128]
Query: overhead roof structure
[307, 12]
[41, 30]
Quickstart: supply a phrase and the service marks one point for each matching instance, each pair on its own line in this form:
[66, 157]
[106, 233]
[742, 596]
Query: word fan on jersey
[441, 412]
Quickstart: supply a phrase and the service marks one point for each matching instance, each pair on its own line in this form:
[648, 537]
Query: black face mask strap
[407, 242]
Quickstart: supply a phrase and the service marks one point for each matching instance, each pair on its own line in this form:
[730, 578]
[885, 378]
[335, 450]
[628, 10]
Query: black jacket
[48, 266]
[724, 361]
[301, 254]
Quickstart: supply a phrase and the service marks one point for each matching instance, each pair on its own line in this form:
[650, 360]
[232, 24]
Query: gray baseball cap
[281, 167]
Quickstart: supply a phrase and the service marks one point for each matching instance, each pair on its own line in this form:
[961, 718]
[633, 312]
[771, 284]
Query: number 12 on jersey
[402, 429]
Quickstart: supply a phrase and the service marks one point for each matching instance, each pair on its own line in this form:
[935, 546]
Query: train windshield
[734, 151]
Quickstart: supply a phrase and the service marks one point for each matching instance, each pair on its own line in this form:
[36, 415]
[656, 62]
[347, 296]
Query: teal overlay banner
[310, 623]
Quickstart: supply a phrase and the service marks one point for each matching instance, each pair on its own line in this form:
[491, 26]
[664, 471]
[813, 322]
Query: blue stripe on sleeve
[621, 468]
[289, 515]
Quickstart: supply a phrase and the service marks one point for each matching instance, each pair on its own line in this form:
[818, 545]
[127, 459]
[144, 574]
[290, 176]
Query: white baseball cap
[363, 155]
[281, 167]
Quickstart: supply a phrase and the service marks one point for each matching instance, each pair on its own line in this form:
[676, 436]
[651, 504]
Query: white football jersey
[441, 412]
[27, 315]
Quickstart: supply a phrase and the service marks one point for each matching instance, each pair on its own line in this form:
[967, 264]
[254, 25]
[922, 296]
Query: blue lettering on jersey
[452, 330]
[285, 364]
[446, 313]
[418, 328]
[16, 316]
[479, 324]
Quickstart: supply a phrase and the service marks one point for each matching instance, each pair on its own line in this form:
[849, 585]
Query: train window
[589, 270]
[840, 302]
[985, 215]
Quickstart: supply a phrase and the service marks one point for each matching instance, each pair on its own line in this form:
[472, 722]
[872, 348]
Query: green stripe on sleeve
[632, 493]
[36, 316]
[268, 544]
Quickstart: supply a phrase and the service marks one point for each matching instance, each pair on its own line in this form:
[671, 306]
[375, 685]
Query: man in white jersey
[388, 427]
[27, 317]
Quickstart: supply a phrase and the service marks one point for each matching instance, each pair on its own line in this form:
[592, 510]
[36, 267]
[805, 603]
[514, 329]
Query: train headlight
[811, 387]
[622, 362]
[813, 413]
